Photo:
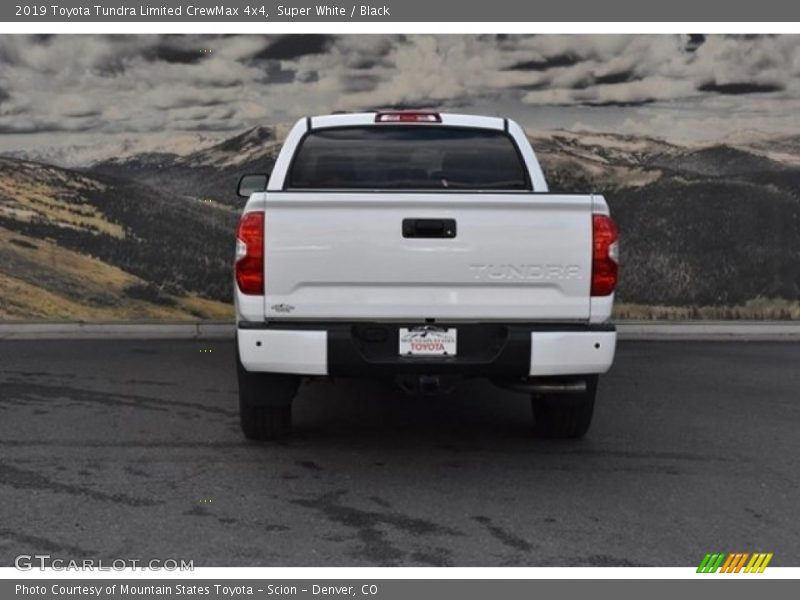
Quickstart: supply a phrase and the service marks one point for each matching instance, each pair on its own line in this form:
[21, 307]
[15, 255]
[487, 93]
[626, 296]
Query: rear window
[407, 157]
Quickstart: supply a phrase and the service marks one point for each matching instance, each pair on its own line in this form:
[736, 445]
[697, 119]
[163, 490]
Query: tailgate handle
[429, 228]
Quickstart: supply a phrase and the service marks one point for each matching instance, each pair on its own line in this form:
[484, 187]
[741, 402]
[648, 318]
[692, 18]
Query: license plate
[427, 341]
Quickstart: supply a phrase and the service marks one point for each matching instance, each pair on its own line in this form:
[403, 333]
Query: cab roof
[406, 117]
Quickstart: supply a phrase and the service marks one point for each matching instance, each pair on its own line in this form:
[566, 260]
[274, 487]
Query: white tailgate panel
[343, 256]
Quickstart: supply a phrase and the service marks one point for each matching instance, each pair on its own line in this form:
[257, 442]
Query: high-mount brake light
[605, 255]
[250, 254]
[408, 117]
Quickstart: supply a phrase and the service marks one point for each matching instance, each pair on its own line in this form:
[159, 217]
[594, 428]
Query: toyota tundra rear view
[425, 249]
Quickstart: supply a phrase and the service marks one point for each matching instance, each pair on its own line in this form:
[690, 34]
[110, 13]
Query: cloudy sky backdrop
[98, 90]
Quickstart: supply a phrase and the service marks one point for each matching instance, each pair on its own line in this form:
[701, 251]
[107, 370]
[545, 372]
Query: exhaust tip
[572, 386]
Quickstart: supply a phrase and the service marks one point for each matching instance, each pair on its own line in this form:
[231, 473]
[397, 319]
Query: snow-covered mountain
[99, 149]
[252, 146]
[210, 173]
[577, 161]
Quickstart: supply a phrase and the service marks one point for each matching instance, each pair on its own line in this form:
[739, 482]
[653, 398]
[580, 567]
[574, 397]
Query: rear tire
[265, 403]
[564, 416]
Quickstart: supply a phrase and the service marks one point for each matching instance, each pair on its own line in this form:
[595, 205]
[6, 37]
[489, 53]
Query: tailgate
[511, 256]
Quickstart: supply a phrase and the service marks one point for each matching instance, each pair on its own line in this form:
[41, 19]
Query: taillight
[408, 116]
[605, 255]
[250, 254]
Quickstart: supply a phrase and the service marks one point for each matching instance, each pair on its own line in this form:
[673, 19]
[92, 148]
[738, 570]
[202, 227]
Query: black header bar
[259, 11]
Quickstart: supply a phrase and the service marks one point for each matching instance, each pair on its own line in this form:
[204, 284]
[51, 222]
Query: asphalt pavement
[131, 449]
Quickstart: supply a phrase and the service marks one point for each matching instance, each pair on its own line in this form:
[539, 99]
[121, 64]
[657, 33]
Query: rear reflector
[605, 255]
[408, 117]
[250, 254]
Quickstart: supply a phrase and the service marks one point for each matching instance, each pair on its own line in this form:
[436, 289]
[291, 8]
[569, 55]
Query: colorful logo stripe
[734, 562]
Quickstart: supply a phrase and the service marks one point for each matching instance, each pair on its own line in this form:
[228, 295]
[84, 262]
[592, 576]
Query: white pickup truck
[423, 248]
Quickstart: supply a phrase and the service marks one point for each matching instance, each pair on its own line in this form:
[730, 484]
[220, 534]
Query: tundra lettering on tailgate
[524, 272]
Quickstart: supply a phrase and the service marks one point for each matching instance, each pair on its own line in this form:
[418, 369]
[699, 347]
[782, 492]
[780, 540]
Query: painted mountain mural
[119, 155]
[707, 230]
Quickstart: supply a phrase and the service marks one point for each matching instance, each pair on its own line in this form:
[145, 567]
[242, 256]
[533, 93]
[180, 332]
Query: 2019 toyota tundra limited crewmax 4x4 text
[421, 247]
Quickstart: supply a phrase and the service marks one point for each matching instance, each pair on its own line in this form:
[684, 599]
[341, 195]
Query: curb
[85, 330]
[710, 331]
[788, 331]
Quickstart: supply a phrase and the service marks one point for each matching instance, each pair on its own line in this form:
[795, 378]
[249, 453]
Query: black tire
[265, 403]
[564, 416]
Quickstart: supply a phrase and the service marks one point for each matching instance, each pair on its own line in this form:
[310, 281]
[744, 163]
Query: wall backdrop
[119, 155]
